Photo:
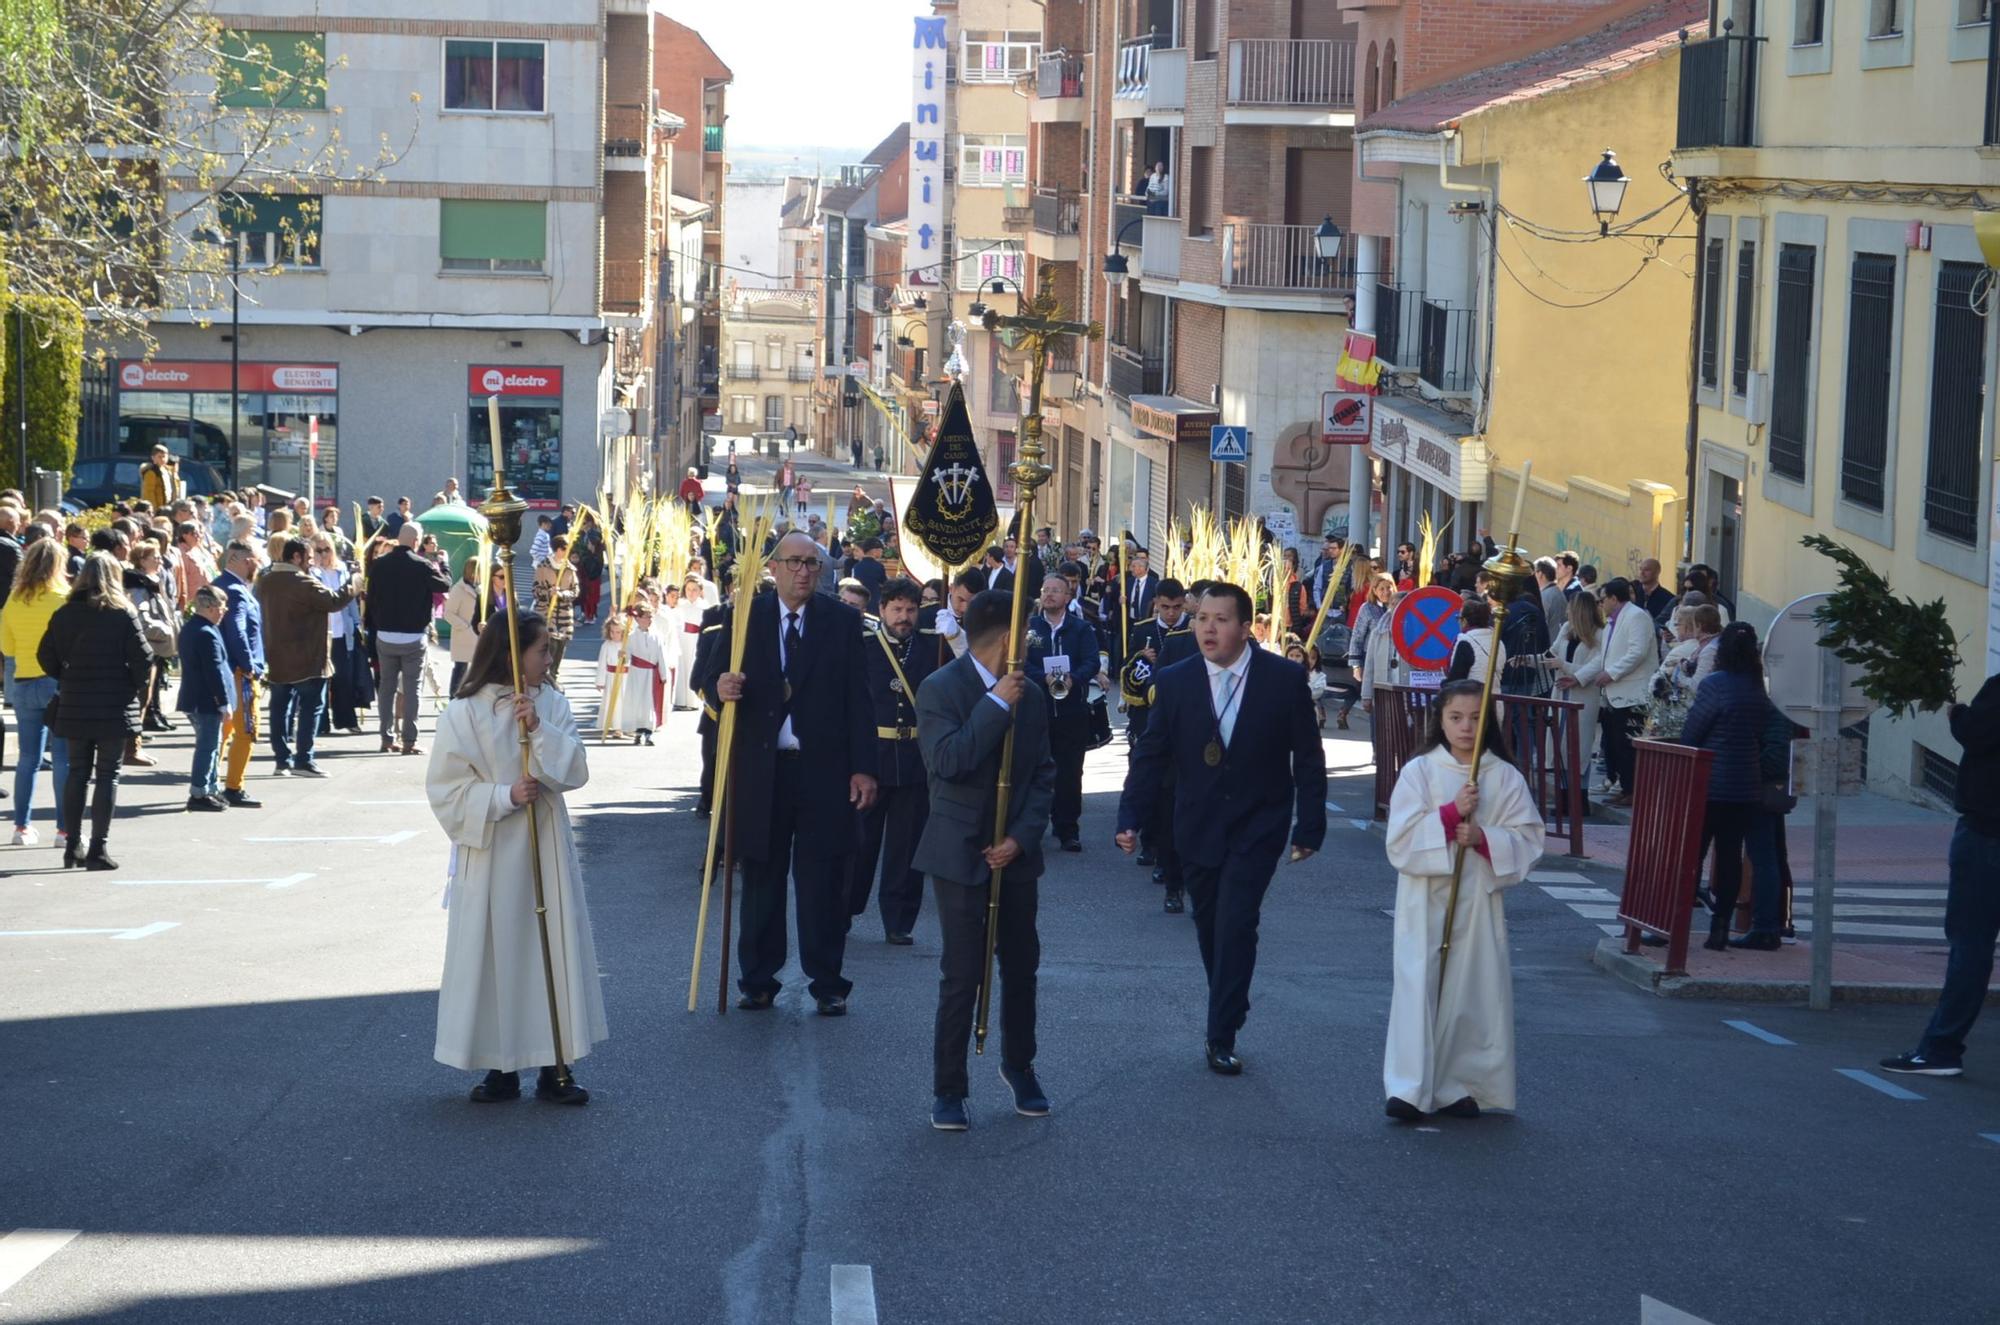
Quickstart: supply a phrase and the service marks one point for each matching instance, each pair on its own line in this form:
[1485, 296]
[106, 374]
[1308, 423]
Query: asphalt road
[240, 1116]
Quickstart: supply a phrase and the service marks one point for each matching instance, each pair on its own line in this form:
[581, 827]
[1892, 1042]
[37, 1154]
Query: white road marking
[1581, 894]
[284, 882]
[1555, 876]
[392, 840]
[1885, 894]
[418, 801]
[1363, 824]
[25, 1248]
[1335, 809]
[1652, 1311]
[1873, 1082]
[1994, 1137]
[853, 1295]
[1615, 931]
[144, 932]
[1849, 929]
[1595, 910]
[1757, 1032]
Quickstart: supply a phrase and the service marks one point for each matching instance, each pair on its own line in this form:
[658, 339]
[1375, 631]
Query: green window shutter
[283, 69]
[511, 231]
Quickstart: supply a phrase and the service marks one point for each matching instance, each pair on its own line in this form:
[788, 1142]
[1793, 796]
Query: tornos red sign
[213, 375]
[487, 379]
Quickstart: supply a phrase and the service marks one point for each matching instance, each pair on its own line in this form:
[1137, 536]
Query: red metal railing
[1663, 860]
[1544, 735]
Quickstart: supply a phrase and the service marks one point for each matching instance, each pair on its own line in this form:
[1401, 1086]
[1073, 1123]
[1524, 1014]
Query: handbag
[156, 620]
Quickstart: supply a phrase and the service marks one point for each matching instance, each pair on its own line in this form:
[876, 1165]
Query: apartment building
[1217, 304]
[513, 249]
[1847, 155]
[858, 296]
[770, 347]
[1507, 323]
[798, 233]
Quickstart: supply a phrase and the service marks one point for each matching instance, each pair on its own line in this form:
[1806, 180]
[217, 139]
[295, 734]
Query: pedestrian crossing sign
[1228, 443]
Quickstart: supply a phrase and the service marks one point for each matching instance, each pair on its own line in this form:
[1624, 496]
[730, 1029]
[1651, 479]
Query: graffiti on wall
[1589, 554]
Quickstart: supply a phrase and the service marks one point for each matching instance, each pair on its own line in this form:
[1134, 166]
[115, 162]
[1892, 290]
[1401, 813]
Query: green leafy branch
[1907, 651]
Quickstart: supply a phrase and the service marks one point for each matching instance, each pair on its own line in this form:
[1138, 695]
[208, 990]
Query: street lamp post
[1606, 184]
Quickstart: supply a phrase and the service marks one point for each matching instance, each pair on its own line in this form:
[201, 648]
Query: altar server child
[651, 674]
[612, 664]
[493, 1001]
[1453, 1052]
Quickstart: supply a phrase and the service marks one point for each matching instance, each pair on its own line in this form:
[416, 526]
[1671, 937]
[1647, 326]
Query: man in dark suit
[1061, 645]
[1236, 728]
[803, 767]
[899, 660]
[1138, 589]
[868, 569]
[1157, 645]
[708, 664]
[963, 714]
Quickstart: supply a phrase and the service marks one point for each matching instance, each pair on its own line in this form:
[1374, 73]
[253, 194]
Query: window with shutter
[1711, 315]
[1958, 395]
[1791, 360]
[1864, 442]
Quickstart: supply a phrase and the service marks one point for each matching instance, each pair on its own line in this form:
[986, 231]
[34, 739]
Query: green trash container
[457, 529]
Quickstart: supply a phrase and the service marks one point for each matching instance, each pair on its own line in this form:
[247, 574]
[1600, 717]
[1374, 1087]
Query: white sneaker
[26, 837]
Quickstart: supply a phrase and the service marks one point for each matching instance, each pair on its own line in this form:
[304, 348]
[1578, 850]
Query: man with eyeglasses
[803, 768]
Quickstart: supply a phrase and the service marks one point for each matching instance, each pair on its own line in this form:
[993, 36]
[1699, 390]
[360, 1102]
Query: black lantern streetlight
[1607, 185]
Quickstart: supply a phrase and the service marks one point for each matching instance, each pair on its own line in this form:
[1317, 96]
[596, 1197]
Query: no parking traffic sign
[1424, 627]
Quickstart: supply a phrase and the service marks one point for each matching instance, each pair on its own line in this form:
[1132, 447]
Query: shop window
[532, 432]
[505, 77]
[281, 231]
[479, 235]
[286, 70]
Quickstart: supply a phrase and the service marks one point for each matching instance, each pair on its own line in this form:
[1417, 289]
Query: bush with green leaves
[48, 334]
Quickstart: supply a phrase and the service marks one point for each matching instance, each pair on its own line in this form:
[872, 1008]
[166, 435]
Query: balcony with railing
[1131, 372]
[1058, 214]
[1160, 256]
[1166, 85]
[1718, 93]
[1283, 260]
[1445, 346]
[1288, 81]
[801, 372]
[711, 138]
[745, 372]
[628, 134]
[1128, 88]
[1058, 95]
[1398, 320]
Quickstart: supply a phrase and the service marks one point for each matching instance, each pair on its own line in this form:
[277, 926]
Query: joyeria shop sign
[513, 380]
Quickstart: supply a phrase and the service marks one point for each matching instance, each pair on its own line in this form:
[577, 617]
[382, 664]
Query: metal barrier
[1544, 734]
[1663, 860]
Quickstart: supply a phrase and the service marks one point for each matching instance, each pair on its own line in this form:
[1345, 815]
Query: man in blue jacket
[243, 639]
[207, 693]
[1237, 728]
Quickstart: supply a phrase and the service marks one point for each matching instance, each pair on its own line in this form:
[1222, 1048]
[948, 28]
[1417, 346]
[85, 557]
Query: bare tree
[136, 138]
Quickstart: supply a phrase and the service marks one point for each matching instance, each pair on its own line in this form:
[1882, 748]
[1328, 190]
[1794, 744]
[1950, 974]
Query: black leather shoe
[1146, 857]
[1222, 1058]
[548, 1087]
[833, 1007]
[899, 939]
[241, 800]
[1072, 844]
[1718, 939]
[1465, 1108]
[206, 804]
[1403, 1111]
[760, 1002]
[498, 1088]
[97, 860]
[1758, 942]
[1174, 905]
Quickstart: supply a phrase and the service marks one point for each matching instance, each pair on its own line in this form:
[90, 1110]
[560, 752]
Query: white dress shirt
[1231, 693]
[989, 681]
[787, 738]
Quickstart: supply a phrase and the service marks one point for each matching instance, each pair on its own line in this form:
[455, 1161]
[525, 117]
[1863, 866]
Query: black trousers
[1619, 756]
[820, 879]
[91, 757]
[708, 739]
[1228, 902]
[1018, 955]
[889, 832]
[1168, 858]
[1069, 741]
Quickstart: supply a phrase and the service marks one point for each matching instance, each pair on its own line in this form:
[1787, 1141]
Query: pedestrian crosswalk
[1871, 913]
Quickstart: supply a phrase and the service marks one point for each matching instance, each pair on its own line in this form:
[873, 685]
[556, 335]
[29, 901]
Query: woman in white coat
[493, 1006]
[1579, 647]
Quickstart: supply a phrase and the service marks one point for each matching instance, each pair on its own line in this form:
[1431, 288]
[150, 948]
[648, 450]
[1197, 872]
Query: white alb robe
[493, 1007]
[1442, 1049]
[686, 614]
[651, 677]
[635, 693]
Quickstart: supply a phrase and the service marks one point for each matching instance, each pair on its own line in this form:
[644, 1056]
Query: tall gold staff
[1041, 325]
[503, 512]
[1510, 571]
[1332, 592]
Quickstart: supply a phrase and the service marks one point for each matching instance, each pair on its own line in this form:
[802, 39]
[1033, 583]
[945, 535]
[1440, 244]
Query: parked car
[95, 482]
[190, 439]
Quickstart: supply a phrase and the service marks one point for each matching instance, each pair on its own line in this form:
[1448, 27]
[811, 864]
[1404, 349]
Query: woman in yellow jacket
[40, 587]
[160, 480]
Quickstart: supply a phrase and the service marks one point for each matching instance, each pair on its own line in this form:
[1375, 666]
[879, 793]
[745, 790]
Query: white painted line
[147, 931]
[1581, 894]
[1334, 809]
[1883, 894]
[418, 801]
[392, 840]
[267, 881]
[1652, 1311]
[1615, 931]
[1873, 1082]
[25, 1248]
[1849, 929]
[1555, 876]
[1994, 1137]
[1364, 825]
[853, 1295]
[157, 927]
[1756, 1032]
[1593, 911]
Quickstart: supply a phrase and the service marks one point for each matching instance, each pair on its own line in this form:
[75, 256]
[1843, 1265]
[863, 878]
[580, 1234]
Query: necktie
[794, 645]
[1226, 707]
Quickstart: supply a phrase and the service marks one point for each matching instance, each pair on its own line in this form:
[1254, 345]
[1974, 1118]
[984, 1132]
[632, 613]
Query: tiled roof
[1592, 50]
[891, 148]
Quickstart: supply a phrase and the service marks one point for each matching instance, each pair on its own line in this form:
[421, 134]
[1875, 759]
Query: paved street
[220, 1076]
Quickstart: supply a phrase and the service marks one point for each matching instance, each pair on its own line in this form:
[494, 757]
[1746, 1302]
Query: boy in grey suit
[963, 713]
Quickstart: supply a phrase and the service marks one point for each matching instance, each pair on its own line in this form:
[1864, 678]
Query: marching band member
[1157, 645]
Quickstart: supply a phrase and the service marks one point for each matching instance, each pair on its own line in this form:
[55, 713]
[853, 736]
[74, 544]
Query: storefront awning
[1433, 446]
[1174, 418]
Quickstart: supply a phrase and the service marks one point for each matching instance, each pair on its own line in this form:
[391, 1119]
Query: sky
[809, 72]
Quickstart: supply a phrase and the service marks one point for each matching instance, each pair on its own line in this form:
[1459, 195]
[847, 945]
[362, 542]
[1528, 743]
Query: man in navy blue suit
[1237, 729]
[802, 771]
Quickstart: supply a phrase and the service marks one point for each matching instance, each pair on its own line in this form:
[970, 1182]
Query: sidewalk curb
[1610, 956]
